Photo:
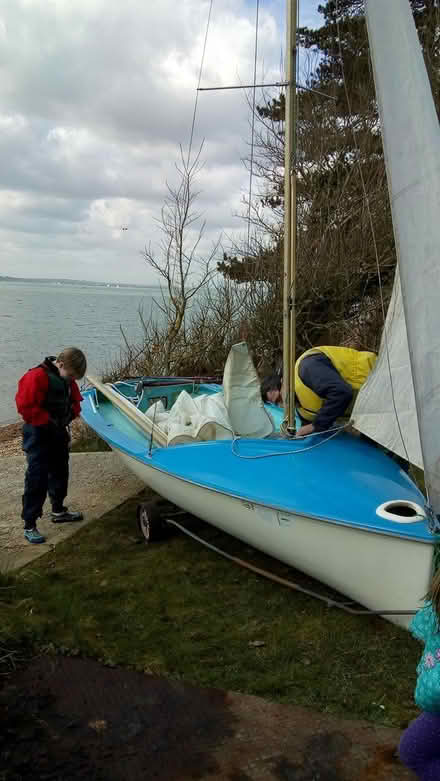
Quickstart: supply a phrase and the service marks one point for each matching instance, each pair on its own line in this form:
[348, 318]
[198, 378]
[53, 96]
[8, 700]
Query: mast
[411, 139]
[289, 337]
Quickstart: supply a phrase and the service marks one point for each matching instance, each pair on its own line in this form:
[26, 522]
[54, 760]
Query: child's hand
[304, 431]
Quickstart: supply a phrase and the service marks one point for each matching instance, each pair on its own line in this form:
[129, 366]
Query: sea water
[39, 319]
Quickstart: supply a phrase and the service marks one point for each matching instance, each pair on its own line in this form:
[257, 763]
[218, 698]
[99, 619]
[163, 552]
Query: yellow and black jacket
[327, 380]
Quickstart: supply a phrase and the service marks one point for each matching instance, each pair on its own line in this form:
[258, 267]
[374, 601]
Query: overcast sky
[95, 98]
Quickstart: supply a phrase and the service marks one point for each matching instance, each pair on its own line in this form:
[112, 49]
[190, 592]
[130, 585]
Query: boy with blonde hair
[48, 399]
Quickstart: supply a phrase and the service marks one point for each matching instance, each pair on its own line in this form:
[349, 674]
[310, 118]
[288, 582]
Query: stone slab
[98, 483]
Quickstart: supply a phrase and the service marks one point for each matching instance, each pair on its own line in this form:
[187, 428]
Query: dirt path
[70, 718]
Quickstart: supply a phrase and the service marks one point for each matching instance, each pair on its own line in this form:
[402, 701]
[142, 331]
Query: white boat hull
[379, 571]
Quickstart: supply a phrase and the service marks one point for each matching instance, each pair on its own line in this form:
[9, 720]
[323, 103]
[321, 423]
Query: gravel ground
[98, 483]
[10, 437]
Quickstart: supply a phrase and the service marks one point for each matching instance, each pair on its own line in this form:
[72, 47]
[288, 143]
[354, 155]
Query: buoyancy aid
[354, 367]
[58, 401]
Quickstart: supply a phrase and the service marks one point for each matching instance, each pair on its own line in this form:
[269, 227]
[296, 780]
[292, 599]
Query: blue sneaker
[34, 536]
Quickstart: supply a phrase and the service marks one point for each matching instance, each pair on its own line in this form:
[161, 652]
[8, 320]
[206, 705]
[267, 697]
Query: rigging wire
[373, 234]
[332, 431]
[198, 84]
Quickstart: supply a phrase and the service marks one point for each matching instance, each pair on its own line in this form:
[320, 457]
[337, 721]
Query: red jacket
[31, 396]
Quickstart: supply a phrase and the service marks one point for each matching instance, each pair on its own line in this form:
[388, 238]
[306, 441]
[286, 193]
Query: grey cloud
[95, 98]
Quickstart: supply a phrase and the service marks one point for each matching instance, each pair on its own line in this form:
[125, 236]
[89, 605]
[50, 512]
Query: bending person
[327, 380]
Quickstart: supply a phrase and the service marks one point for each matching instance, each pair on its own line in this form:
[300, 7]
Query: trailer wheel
[150, 522]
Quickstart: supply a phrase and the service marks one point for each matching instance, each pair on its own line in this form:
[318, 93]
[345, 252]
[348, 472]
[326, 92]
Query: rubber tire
[150, 523]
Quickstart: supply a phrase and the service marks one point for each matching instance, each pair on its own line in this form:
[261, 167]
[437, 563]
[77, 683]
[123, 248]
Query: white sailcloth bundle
[202, 419]
[237, 411]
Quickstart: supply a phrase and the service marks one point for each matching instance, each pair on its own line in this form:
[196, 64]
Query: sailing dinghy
[333, 505]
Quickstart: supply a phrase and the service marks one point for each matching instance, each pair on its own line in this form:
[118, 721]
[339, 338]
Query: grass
[176, 609]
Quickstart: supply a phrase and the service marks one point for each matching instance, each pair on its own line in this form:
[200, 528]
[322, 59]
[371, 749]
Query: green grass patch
[177, 609]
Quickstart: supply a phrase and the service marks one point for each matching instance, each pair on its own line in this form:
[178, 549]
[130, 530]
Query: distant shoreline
[84, 282]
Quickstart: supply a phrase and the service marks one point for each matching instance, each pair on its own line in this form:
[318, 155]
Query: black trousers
[47, 453]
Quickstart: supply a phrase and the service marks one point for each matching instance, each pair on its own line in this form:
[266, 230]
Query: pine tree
[341, 183]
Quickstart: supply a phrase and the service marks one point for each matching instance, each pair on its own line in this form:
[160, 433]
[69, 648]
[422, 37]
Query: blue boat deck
[342, 479]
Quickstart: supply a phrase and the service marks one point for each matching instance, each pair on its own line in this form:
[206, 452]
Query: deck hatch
[401, 511]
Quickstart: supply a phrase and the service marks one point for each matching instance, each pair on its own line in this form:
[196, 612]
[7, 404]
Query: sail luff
[411, 138]
[385, 409]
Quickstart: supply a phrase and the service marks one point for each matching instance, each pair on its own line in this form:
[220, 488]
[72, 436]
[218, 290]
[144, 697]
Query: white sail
[385, 408]
[241, 388]
[411, 137]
